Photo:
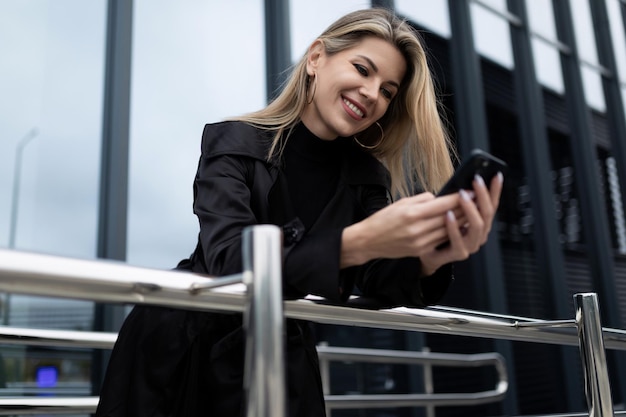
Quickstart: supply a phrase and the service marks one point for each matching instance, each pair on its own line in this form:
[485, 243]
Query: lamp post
[14, 206]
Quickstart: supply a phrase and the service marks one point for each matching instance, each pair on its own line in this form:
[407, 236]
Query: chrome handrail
[115, 282]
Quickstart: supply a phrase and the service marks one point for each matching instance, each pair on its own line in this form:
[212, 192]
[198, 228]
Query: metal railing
[327, 354]
[107, 281]
[427, 360]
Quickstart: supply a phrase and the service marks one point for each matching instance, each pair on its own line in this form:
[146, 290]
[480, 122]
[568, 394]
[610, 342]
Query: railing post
[264, 378]
[429, 385]
[597, 385]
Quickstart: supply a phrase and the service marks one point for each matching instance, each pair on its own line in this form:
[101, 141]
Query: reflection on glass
[541, 18]
[431, 15]
[51, 78]
[618, 37]
[310, 18]
[592, 85]
[194, 62]
[585, 37]
[492, 36]
[548, 65]
[499, 5]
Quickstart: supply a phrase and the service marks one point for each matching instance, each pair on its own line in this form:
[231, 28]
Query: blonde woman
[335, 161]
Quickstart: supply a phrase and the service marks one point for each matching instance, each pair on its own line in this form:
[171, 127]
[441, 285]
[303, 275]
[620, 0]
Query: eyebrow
[375, 68]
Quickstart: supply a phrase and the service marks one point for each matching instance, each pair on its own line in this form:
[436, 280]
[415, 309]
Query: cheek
[381, 109]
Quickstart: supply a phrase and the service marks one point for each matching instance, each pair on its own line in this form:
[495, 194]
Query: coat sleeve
[398, 282]
[224, 207]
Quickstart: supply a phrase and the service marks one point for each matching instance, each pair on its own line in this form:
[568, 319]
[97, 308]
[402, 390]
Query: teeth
[353, 108]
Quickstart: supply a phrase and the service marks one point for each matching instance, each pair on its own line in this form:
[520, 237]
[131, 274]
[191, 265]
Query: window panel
[548, 65]
[624, 99]
[585, 38]
[541, 18]
[492, 36]
[499, 5]
[592, 84]
[51, 78]
[618, 37]
[310, 18]
[51, 104]
[194, 62]
[432, 15]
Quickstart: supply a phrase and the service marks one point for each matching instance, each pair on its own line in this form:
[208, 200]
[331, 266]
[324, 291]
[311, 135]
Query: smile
[354, 108]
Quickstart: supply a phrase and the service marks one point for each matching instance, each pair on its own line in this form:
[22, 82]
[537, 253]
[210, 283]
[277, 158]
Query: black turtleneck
[312, 167]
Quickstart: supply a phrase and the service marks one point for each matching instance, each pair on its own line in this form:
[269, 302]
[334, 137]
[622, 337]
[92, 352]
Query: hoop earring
[314, 89]
[382, 136]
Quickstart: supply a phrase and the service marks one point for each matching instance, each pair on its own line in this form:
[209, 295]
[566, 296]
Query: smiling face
[353, 88]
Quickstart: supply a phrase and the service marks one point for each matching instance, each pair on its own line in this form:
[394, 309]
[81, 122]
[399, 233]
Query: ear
[315, 52]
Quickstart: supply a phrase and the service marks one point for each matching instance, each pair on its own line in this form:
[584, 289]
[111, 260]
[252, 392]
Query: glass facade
[196, 62]
[51, 76]
[190, 67]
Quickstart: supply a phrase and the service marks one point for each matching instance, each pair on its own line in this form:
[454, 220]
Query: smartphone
[479, 162]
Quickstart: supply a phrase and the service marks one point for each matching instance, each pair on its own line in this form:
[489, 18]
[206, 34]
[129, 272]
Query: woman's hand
[416, 226]
[469, 234]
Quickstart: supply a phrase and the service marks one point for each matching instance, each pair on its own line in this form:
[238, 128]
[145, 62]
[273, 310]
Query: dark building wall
[537, 368]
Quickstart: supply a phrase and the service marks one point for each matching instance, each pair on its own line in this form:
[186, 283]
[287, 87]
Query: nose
[370, 90]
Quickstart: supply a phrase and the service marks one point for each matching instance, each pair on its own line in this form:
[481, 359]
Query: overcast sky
[194, 61]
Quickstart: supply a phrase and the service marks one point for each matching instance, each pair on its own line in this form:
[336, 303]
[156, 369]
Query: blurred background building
[101, 112]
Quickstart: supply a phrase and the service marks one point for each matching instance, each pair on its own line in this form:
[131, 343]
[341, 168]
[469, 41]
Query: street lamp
[14, 205]
[16, 183]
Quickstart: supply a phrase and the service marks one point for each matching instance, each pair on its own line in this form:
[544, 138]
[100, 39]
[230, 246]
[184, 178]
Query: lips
[355, 109]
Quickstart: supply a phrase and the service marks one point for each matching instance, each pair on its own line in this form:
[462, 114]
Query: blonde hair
[416, 148]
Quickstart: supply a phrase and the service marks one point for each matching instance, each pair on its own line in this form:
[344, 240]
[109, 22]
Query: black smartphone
[479, 162]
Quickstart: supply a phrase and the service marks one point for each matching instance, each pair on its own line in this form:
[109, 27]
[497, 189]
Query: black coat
[181, 363]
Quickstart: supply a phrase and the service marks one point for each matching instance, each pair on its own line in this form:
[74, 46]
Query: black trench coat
[181, 363]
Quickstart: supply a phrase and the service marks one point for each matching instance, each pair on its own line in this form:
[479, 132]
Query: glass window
[51, 75]
[499, 5]
[51, 78]
[541, 18]
[431, 15]
[310, 18]
[585, 38]
[547, 62]
[618, 37]
[492, 36]
[194, 62]
[624, 99]
[592, 84]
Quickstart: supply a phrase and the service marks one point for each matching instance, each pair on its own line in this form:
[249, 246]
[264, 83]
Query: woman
[356, 125]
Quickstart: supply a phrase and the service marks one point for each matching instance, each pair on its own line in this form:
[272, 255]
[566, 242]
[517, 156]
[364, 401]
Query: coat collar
[239, 138]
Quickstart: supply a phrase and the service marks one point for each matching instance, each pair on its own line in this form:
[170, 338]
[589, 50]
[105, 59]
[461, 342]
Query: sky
[194, 62]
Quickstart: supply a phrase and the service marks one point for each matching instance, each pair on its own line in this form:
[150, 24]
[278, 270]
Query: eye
[361, 69]
[386, 93]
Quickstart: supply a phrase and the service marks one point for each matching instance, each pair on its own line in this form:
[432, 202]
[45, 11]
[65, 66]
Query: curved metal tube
[327, 353]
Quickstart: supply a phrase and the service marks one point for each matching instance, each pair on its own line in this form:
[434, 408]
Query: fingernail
[500, 177]
[451, 216]
[465, 195]
[479, 180]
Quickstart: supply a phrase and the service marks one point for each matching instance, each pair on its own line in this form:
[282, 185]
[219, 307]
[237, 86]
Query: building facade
[103, 113]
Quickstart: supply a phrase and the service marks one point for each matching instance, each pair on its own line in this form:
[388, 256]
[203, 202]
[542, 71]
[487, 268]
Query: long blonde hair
[416, 148]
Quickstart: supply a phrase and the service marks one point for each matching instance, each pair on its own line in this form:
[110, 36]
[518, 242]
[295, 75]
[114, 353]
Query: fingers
[474, 223]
